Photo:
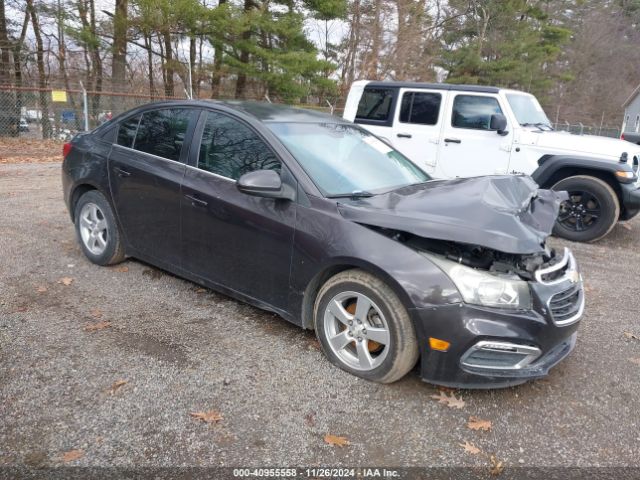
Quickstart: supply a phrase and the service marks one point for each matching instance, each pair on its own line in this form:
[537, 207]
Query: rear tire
[591, 211]
[97, 230]
[363, 327]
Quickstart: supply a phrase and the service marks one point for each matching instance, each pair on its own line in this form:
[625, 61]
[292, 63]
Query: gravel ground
[181, 349]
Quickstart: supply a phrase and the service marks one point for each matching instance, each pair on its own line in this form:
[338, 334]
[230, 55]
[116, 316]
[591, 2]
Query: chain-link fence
[60, 113]
[585, 129]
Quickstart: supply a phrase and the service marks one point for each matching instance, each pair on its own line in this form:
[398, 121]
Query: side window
[161, 132]
[230, 148]
[474, 111]
[420, 107]
[127, 131]
[375, 104]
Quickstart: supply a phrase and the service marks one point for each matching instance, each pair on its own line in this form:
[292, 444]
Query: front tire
[363, 328]
[591, 211]
[97, 230]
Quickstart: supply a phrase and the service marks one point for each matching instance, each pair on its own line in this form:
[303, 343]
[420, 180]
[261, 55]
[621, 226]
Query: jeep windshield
[344, 160]
[528, 111]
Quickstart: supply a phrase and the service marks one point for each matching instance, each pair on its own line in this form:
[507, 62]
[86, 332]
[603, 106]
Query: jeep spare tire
[591, 210]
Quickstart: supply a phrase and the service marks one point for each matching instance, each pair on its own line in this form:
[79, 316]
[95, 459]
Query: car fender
[549, 165]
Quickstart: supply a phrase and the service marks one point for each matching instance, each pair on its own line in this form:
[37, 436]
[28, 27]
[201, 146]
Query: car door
[146, 167]
[417, 125]
[229, 238]
[469, 147]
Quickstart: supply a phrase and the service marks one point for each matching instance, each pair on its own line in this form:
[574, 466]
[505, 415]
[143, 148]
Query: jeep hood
[505, 213]
[564, 143]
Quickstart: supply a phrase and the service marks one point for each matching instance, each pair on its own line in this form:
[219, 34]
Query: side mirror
[498, 123]
[266, 184]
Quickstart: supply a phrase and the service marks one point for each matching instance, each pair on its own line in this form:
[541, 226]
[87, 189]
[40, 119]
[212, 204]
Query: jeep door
[417, 124]
[469, 147]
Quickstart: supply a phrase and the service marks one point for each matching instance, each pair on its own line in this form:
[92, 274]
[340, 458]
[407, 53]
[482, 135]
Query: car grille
[565, 306]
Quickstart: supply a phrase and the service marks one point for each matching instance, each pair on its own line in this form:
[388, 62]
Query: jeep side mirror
[265, 183]
[498, 123]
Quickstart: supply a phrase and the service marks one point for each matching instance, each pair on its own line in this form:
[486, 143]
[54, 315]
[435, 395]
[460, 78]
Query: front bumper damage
[493, 348]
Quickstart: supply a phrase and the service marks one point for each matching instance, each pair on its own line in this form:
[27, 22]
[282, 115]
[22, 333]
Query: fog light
[437, 344]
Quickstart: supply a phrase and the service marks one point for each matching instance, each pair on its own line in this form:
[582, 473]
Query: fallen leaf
[627, 226]
[635, 360]
[470, 448]
[497, 466]
[336, 441]
[200, 290]
[117, 385]
[631, 336]
[208, 417]
[92, 327]
[450, 401]
[41, 289]
[66, 281]
[72, 455]
[122, 269]
[96, 313]
[476, 423]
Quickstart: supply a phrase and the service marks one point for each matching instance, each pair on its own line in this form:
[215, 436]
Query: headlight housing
[485, 288]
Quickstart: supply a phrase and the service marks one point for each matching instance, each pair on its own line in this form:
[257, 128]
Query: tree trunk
[148, 43]
[9, 113]
[241, 83]
[169, 88]
[17, 65]
[42, 81]
[119, 62]
[192, 66]
[216, 77]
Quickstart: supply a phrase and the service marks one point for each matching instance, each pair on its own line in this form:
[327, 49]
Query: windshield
[527, 110]
[345, 160]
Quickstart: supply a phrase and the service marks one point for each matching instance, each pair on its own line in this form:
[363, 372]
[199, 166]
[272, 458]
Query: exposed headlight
[485, 288]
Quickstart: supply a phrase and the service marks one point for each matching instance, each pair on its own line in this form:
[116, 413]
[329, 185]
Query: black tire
[114, 250]
[402, 353]
[594, 195]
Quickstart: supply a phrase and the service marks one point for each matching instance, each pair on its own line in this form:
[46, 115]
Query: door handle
[452, 140]
[404, 135]
[195, 201]
[121, 173]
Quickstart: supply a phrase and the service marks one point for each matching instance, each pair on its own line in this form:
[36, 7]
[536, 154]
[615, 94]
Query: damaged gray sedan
[319, 221]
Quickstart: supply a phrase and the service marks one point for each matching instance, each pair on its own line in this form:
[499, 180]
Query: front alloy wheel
[356, 330]
[591, 211]
[364, 328]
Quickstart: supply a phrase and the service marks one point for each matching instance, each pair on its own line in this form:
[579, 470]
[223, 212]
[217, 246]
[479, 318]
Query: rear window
[420, 107]
[375, 104]
[162, 132]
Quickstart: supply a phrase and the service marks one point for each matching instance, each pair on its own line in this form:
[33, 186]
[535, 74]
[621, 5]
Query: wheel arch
[552, 169]
[338, 266]
[79, 190]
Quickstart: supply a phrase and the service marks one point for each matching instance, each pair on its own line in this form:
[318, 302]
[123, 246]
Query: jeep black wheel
[590, 212]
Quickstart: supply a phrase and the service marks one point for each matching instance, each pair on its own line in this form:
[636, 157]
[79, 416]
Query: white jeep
[464, 131]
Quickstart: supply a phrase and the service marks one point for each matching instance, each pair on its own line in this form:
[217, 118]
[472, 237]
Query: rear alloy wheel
[363, 327]
[591, 211]
[97, 229]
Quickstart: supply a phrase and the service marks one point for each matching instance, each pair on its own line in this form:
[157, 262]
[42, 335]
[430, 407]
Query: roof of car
[271, 112]
[262, 111]
[435, 86]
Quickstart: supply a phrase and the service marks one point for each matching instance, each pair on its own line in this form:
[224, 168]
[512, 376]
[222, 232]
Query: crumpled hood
[506, 213]
[585, 145]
